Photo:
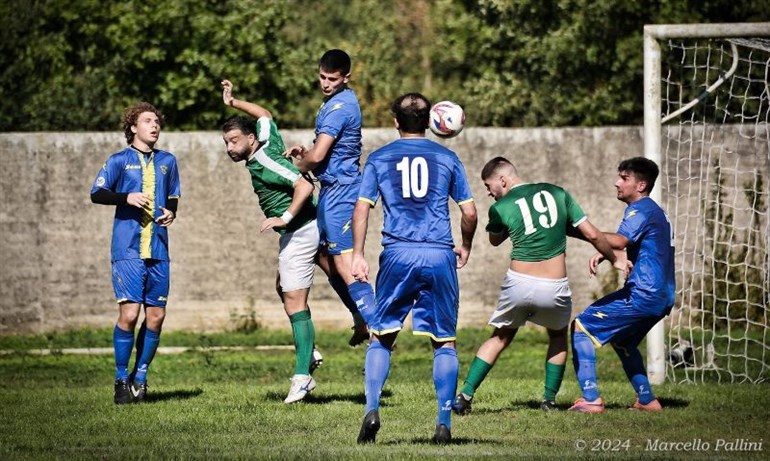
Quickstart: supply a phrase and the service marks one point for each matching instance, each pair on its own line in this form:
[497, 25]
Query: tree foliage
[76, 64]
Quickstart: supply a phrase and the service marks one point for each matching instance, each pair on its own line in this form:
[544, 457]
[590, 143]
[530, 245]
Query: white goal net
[712, 102]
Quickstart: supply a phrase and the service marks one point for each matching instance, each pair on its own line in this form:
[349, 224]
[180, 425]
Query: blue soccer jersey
[415, 176]
[135, 234]
[651, 249]
[340, 118]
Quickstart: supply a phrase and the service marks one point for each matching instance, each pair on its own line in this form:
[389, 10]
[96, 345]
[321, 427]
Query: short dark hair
[245, 124]
[643, 168]
[335, 61]
[412, 112]
[493, 165]
[131, 115]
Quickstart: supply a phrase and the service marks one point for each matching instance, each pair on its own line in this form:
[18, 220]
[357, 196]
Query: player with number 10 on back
[536, 217]
[415, 178]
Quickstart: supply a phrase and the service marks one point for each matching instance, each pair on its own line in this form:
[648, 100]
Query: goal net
[708, 101]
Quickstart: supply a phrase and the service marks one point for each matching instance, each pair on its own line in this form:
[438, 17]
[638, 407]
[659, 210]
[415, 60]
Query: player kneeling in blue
[624, 317]
[415, 177]
[143, 184]
[286, 198]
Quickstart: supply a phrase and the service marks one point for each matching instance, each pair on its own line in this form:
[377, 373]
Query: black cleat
[442, 436]
[122, 393]
[548, 405]
[316, 360]
[138, 392]
[462, 404]
[369, 427]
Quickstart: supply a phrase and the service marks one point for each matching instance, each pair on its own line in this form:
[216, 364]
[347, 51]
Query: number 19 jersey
[415, 178]
[536, 217]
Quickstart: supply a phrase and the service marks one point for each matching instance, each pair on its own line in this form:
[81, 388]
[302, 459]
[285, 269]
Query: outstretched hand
[295, 151]
[227, 92]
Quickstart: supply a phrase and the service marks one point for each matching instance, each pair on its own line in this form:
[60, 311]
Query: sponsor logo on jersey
[133, 167]
[631, 213]
[163, 169]
[100, 181]
[336, 106]
[162, 298]
[600, 315]
[346, 227]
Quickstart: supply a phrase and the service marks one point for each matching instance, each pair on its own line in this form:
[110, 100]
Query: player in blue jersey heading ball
[334, 159]
[414, 177]
[624, 317]
[143, 184]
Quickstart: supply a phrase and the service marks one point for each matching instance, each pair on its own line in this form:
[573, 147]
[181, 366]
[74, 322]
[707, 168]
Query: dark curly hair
[131, 115]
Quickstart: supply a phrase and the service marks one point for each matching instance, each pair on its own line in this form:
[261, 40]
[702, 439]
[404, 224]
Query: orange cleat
[584, 406]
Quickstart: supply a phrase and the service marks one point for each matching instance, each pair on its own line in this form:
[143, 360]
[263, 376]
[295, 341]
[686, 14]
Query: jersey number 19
[544, 203]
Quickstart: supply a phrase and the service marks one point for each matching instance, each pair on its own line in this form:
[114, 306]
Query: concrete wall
[55, 258]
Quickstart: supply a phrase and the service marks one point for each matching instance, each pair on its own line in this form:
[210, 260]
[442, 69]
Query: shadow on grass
[172, 395]
[321, 398]
[517, 405]
[455, 441]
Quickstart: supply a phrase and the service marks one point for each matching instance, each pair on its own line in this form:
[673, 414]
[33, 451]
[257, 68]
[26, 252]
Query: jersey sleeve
[369, 191]
[174, 185]
[263, 129]
[632, 225]
[575, 214]
[495, 224]
[335, 120]
[460, 189]
[108, 175]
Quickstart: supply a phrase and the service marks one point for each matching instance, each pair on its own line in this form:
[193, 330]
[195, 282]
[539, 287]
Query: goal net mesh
[715, 160]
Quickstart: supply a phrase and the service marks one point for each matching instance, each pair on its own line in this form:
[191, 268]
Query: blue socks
[633, 365]
[376, 370]
[363, 296]
[341, 288]
[150, 345]
[584, 361]
[123, 343]
[445, 373]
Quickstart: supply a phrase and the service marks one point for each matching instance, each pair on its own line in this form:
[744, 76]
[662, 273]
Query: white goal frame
[656, 361]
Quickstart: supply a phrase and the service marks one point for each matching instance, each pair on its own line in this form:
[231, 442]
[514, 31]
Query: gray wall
[55, 257]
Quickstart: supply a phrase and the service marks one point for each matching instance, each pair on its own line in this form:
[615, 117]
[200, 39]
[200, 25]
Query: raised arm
[250, 108]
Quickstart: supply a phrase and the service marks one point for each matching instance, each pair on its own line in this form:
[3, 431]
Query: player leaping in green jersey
[536, 217]
[286, 198]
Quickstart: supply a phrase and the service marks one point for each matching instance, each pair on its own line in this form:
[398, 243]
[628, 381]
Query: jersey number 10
[414, 177]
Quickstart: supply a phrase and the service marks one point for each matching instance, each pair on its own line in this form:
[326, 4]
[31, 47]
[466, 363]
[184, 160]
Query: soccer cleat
[122, 393]
[442, 436]
[301, 385]
[652, 406]
[462, 404]
[138, 391]
[548, 405]
[316, 361]
[369, 427]
[360, 334]
[584, 406]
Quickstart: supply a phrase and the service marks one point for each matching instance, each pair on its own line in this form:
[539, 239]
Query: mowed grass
[228, 405]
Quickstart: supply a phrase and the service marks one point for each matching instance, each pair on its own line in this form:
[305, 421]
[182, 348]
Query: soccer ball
[447, 119]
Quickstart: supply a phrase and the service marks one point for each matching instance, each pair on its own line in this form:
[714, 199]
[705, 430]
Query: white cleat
[301, 385]
[316, 361]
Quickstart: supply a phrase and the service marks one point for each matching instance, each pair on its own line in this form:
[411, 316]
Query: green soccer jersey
[536, 217]
[273, 177]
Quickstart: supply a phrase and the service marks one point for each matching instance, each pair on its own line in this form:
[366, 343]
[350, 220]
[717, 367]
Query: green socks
[304, 337]
[476, 375]
[553, 376]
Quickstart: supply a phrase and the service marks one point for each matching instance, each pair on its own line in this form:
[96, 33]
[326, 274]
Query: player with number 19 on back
[414, 177]
[536, 217]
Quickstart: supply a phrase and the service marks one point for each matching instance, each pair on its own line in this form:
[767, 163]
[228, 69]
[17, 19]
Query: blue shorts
[616, 319]
[418, 279]
[336, 203]
[143, 281]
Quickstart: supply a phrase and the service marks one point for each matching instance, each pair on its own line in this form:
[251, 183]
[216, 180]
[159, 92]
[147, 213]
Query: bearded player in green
[286, 198]
[537, 218]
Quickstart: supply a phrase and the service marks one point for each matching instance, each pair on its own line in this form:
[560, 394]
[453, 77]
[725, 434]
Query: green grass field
[228, 405]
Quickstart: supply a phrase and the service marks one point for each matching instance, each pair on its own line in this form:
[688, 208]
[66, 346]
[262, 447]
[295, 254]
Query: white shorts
[296, 257]
[546, 302]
